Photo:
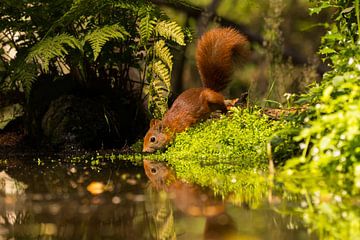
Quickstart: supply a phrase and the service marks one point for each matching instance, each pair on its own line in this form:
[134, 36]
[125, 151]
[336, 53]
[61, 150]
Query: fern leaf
[162, 72]
[147, 24]
[100, 36]
[50, 48]
[81, 8]
[171, 30]
[132, 5]
[156, 108]
[157, 104]
[158, 89]
[163, 52]
[25, 75]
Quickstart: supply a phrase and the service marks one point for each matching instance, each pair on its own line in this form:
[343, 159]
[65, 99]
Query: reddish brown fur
[189, 198]
[214, 56]
[198, 102]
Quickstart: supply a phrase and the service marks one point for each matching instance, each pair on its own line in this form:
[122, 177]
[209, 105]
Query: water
[57, 200]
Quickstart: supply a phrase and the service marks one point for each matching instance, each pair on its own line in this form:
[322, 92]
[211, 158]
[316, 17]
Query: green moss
[238, 140]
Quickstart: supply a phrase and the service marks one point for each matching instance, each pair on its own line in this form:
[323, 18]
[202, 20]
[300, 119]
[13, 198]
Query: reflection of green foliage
[326, 211]
[161, 217]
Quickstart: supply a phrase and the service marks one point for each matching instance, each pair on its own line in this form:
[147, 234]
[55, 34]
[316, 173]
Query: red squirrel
[215, 54]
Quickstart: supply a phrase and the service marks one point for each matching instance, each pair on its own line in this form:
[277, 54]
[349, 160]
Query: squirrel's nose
[147, 149]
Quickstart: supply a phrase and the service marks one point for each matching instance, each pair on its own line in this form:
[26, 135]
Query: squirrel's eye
[153, 170]
[152, 139]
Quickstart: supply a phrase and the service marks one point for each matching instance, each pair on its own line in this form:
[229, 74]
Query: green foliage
[146, 25]
[159, 89]
[171, 31]
[330, 139]
[23, 75]
[100, 36]
[161, 63]
[163, 52]
[49, 48]
[97, 40]
[327, 172]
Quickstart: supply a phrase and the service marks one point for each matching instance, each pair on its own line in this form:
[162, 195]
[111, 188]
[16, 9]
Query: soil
[14, 144]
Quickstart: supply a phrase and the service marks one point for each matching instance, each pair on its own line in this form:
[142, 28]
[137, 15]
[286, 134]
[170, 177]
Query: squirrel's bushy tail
[215, 54]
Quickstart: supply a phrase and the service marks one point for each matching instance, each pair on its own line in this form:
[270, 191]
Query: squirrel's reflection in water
[192, 200]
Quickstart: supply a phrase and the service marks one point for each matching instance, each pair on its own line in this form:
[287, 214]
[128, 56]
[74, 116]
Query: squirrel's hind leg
[214, 100]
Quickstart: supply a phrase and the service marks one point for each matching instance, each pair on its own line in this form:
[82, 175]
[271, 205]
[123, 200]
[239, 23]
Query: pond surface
[57, 200]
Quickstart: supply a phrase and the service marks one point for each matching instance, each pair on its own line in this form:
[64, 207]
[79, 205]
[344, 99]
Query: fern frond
[52, 47]
[146, 27]
[158, 88]
[163, 52]
[79, 8]
[183, 3]
[132, 5]
[171, 30]
[24, 76]
[100, 36]
[157, 102]
[162, 72]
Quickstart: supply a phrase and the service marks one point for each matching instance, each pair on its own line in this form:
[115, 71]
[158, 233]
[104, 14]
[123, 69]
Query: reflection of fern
[165, 219]
[160, 209]
[50, 48]
[100, 36]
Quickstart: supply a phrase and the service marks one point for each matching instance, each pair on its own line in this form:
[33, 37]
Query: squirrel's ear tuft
[154, 122]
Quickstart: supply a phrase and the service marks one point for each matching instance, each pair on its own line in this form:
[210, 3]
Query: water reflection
[60, 200]
[220, 218]
[188, 198]
[192, 200]
[59, 203]
[12, 198]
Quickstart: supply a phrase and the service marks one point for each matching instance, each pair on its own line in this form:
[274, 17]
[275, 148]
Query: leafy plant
[327, 172]
[330, 138]
[93, 41]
